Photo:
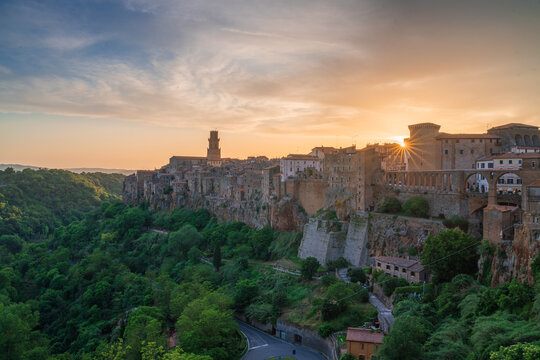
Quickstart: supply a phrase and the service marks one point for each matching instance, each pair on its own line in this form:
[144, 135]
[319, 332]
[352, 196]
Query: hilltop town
[337, 195]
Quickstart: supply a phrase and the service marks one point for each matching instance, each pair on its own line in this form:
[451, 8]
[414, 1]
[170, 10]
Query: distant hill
[19, 167]
[34, 202]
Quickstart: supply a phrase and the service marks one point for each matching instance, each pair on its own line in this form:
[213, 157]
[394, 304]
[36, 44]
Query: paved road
[385, 314]
[264, 346]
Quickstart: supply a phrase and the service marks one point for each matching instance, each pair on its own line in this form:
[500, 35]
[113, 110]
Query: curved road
[263, 346]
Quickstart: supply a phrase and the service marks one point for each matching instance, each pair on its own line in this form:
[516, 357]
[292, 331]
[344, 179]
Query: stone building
[294, 164]
[460, 151]
[428, 149]
[363, 343]
[520, 135]
[411, 270]
[213, 153]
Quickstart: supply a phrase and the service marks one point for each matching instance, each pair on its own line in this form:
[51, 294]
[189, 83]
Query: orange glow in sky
[139, 81]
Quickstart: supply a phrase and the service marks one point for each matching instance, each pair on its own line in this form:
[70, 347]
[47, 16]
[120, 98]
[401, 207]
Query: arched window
[535, 140]
[527, 140]
[519, 140]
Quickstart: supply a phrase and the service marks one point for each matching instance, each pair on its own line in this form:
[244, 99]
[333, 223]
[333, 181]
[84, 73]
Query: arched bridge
[455, 181]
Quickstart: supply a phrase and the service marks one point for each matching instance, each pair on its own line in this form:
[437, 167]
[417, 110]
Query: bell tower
[213, 155]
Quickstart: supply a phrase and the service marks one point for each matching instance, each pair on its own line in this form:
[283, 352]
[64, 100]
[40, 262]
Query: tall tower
[213, 155]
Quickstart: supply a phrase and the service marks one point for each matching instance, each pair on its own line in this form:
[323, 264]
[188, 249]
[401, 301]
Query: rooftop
[397, 261]
[512, 125]
[364, 335]
[466, 136]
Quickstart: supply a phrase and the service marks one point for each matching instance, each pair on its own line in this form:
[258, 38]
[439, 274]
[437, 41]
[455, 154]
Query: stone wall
[445, 204]
[367, 235]
[310, 338]
[323, 240]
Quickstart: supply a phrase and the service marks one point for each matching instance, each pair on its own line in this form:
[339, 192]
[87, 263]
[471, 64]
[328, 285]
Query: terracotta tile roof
[364, 335]
[511, 125]
[535, 184]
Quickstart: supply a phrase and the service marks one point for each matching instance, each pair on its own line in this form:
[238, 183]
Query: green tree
[416, 206]
[309, 267]
[405, 340]
[449, 253]
[517, 352]
[391, 205]
[216, 259]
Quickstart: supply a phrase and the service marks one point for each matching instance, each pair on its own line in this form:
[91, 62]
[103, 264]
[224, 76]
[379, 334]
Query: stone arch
[471, 182]
[519, 140]
[535, 140]
[527, 140]
[511, 189]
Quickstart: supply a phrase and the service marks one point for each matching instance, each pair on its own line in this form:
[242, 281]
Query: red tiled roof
[535, 184]
[364, 335]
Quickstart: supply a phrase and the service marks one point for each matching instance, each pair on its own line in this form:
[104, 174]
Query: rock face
[365, 236]
[512, 259]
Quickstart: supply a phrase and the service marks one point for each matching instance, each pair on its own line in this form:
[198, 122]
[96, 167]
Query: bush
[325, 330]
[356, 275]
[456, 221]
[347, 357]
[412, 251]
[337, 264]
[328, 280]
[408, 289]
[391, 284]
[416, 206]
[309, 267]
[391, 205]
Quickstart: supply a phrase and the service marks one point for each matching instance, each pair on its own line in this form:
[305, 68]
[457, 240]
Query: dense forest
[83, 276]
[34, 202]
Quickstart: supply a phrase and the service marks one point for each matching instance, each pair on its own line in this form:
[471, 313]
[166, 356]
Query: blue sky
[273, 76]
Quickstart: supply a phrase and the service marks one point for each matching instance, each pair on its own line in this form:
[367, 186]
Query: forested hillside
[34, 202]
[109, 285]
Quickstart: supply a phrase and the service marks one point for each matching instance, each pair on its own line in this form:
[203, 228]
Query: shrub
[325, 330]
[328, 280]
[416, 206]
[412, 251]
[391, 205]
[456, 221]
[337, 264]
[309, 267]
[356, 275]
[392, 283]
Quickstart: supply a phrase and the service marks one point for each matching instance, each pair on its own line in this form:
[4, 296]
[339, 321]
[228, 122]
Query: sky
[127, 84]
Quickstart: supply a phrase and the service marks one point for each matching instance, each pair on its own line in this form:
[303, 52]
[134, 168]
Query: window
[396, 268]
[480, 140]
[538, 236]
[403, 270]
[446, 141]
[412, 273]
[472, 151]
[446, 152]
[509, 161]
[510, 181]
[518, 181]
[501, 161]
[490, 165]
[457, 141]
[472, 140]
[378, 264]
[501, 181]
[387, 267]
[483, 166]
[519, 161]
